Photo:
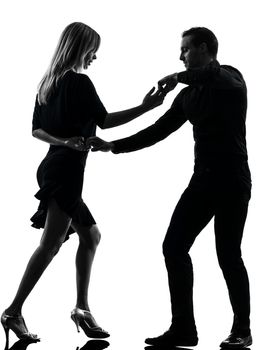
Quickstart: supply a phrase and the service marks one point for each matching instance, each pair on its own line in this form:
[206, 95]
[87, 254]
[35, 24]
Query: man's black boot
[236, 341]
[174, 338]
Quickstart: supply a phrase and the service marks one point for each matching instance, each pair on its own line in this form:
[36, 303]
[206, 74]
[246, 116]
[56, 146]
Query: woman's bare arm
[150, 101]
[76, 142]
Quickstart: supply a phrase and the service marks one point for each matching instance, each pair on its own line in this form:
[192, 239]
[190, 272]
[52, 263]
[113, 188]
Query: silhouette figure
[215, 103]
[67, 111]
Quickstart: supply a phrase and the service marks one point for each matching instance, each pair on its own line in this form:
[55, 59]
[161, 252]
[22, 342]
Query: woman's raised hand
[152, 100]
[77, 143]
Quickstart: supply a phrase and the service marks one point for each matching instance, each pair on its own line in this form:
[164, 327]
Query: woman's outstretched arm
[150, 101]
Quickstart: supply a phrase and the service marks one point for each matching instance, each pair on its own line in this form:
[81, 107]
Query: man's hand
[152, 100]
[168, 83]
[77, 143]
[98, 144]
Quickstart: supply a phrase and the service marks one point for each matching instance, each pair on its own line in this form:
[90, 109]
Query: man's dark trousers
[221, 191]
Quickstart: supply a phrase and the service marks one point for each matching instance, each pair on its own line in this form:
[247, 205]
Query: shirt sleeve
[172, 120]
[36, 116]
[214, 75]
[90, 101]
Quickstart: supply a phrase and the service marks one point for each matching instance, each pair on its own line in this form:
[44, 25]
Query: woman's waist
[66, 154]
[64, 150]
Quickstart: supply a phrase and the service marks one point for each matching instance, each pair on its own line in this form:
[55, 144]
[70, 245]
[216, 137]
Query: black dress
[74, 109]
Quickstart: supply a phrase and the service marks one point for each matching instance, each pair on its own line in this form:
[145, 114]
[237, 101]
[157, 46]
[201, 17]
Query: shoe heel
[75, 319]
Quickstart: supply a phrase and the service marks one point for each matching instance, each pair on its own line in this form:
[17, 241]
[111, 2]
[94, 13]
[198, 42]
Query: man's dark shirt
[215, 103]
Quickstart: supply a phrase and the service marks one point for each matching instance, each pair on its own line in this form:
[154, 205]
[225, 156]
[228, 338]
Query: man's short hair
[203, 35]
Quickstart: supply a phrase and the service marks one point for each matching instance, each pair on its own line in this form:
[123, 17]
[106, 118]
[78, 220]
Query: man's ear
[203, 47]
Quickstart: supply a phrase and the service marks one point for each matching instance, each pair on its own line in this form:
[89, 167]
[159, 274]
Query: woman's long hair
[75, 42]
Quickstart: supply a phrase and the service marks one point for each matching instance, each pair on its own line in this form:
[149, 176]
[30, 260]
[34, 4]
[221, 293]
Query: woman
[67, 111]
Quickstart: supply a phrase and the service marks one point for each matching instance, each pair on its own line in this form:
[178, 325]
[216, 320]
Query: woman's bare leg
[57, 224]
[89, 238]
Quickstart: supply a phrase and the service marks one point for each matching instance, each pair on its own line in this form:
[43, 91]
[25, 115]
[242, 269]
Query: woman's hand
[98, 144]
[77, 143]
[151, 100]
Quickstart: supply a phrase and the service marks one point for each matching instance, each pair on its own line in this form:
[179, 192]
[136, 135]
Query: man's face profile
[192, 56]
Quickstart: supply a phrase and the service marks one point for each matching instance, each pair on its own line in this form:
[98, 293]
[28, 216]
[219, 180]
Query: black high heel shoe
[18, 326]
[86, 321]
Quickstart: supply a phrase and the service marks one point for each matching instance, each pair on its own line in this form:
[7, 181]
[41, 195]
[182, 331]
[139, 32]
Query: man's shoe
[235, 341]
[171, 338]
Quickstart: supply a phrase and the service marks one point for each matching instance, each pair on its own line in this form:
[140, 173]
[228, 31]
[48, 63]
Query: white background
[132, 196]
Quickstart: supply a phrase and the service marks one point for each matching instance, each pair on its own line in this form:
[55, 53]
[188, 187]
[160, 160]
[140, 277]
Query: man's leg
[192, 213]
[230, 217]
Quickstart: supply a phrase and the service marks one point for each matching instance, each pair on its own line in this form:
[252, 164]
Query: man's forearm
[140, 140]
[162, 128]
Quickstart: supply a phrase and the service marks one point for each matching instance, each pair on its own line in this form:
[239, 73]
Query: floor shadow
[22, 344]
[165, 347]
[94, 345]
[169, 347]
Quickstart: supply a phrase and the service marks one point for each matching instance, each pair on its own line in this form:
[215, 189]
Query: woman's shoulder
[79, 77]
[75, 82]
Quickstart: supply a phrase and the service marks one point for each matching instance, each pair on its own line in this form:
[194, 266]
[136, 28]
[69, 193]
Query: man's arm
[162, 128]
[219, 77]
[172, 120]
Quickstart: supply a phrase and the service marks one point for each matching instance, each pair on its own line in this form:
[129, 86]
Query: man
[215, 103]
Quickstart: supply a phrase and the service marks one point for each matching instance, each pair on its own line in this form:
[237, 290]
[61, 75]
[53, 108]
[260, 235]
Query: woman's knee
[90, 236]
[50, 248]
[95, 235]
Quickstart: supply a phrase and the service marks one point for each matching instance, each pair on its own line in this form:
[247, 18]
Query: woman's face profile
[88, 58]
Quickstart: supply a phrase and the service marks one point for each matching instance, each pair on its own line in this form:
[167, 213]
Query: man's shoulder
[228, 77]
[231, 69]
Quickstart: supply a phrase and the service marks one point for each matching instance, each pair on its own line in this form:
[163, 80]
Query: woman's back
[74, 108]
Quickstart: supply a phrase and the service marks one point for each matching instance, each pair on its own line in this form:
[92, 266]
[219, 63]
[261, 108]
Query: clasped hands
[150, 101]
[79, 143]
[165, 85]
